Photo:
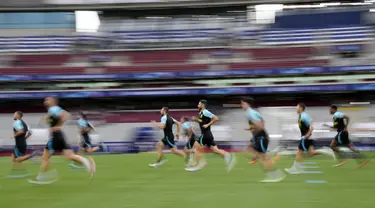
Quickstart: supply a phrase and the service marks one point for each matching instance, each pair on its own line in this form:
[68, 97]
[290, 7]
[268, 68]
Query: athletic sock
[324, 151]
[85, 162]
[297, 165]
[49, 175]
[227, 158]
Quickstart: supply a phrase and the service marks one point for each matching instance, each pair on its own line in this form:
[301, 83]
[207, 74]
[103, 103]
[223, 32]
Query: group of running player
[192, 153]
[258, 144]
[55, 118]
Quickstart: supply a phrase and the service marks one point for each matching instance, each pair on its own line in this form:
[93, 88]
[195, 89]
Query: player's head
[332, 109]
[246, 102]
[164, 110]
[17, 115]
[82, 115]
[184, 119]
[202, 104]
[50, 101]
[300, 107]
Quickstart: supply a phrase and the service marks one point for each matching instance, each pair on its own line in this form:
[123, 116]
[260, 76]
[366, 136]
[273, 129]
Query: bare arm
[213, 120]
[19, 132]
[346, 119]
[257, 126]
[158, 125]
[28, 134]
[309, 133]
[178, 124]
[190, 132]
[63, 117]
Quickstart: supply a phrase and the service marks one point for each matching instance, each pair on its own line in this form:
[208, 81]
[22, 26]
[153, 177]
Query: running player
[56, 117]
[20, 134]
[189, 148]
[306, 143]
[259, 142]
[166, 124]
[85, 128]
[205, 120]
[340, 123]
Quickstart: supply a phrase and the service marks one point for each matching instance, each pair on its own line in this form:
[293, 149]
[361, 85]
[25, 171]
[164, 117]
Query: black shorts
[190, 143]
[169, 141]
[57, 143]
[86, 142]
[207, 139]
[19, 151]
[305, 144]
[342, 138]
[260, 142]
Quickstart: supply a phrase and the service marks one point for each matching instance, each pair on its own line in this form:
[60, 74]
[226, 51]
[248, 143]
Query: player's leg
[160, 155]
[189, 151]
[61, 145]
[334, 146]
[303, 146]
[359, 157]
[17, 168]
[230, 159]
[273, 174]
[297, 164]
[22, 155]
[322, 151]
[172, 146]
[198, 147]
[44, 176]
[89, 163]
[90, 149]
[81, 152]
[251, 152]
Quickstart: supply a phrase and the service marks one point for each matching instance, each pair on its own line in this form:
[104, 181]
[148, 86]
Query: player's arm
[213, 117]
[194, 119]
[28, 134]
[346, 121]
[86, 128]
[309, 133]
[64, 115]
[258, 125]
[189, 132]
[178, 124]
[19, 128]
[91, 126]
[162, 123]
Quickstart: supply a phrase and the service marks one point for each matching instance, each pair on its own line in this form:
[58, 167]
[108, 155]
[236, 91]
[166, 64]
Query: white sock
[227, 157]
[296, 165]
[41, 176]
[324, 151]
[47, 175]
[85, 162]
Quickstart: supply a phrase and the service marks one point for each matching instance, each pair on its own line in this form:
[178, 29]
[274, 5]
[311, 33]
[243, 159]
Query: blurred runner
[166, 124]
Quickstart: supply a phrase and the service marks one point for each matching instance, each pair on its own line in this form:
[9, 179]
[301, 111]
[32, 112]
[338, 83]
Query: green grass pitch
[126, 181]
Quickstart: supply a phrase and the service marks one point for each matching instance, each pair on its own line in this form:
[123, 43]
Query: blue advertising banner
[188, 91]
[187, 74]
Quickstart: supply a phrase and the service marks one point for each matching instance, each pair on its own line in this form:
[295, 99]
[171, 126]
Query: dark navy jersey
[168, 121]
[304, 122]
[204, 118]
[54, 113]
[338, 121]
[253, 115]
[17, 126]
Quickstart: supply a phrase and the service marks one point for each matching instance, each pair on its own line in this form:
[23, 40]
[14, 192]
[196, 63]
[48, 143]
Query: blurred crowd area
[224, 51]
[202, 47]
